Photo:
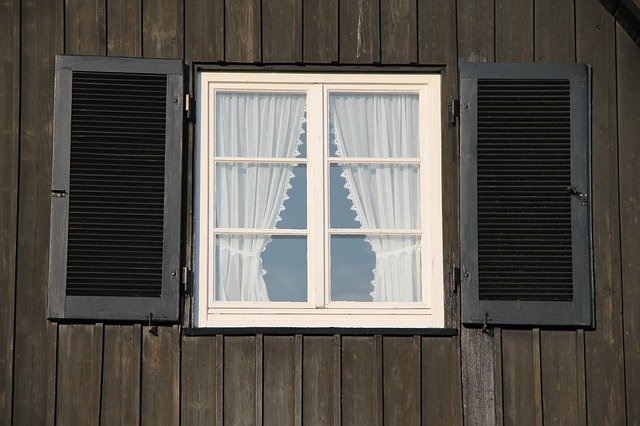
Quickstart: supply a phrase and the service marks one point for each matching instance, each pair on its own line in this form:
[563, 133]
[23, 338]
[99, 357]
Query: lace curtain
[252, 195]
[383, 195]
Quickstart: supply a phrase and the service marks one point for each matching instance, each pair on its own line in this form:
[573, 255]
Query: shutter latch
[454, 111]
[60, 193]
[582, 196]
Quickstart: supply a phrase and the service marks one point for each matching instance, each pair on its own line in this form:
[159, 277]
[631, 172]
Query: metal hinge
[60, 193]
[454, 276]
[189, 107]
[454, 111]
[184, 279]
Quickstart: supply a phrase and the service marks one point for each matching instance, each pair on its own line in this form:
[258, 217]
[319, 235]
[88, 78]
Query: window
[318, 200]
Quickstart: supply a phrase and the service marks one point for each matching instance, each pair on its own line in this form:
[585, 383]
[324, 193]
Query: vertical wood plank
[122, 353]
[198, 381]
[204, 30]
[318, 370]
[160, 388]
[240, 366]
[361, 381]
[628, 64]
[398, 31]
[124, 35]
[476, 44]
[437, 23]
[475, 30]
[242, 31]
[554, 41]
[85, 27]
[9, 134]
[34, 390]
[554, 31]
[441, 388]
[520, 392]
[497, 376]
[282, 30]
[359, 31]
[79, 373]
[519, 385]
[514, 30]
[401, 380]
[604, 358]
[320, 29]
[560, 377]
[162, 28]
[121, 365]
[279, 380]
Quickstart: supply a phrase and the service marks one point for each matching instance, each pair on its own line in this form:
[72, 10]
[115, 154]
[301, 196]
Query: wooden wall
[122, 374]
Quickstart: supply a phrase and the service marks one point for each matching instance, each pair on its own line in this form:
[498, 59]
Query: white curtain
[252, 195]
[383, 195]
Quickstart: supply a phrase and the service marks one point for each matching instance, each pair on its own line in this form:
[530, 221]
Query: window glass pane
[375, 196]
[260, 124]
[375, 268]
[261, 195]
[374, 125]
[260, 268]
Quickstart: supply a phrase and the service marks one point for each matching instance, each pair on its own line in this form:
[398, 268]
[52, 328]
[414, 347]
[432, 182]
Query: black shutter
[116, 190]
[525, 188]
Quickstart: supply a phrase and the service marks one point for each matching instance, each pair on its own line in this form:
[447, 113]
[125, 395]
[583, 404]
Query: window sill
[210, 331]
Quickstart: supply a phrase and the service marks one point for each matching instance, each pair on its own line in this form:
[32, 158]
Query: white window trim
[315, 312]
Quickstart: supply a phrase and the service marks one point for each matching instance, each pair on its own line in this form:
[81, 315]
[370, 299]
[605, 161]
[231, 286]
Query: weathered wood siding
[122, 374]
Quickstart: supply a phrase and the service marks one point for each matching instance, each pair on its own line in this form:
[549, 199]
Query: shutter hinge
[455, 279]
[454, 111]
[189, 107]
[184, 279]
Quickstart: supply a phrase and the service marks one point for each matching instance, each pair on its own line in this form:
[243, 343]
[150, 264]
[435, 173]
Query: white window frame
[317, 312]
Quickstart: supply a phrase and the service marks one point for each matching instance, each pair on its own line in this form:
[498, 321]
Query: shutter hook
[582, 196]
[152, 329]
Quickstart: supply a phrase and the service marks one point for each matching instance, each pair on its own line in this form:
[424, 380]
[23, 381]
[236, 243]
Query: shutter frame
[119, 308]
[580, 310]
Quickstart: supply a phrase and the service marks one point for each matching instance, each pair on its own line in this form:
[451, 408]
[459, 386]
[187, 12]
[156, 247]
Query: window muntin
[324, 302]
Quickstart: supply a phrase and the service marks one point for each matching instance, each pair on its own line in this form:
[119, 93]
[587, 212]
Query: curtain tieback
[398, 252]
[239, 252]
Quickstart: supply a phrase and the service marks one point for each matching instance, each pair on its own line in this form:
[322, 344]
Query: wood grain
[35, 349]
[9, 148]
[628, 66]
[401, 380]
[398, 31]
[122, 360]
[514, 30]
[160, 388]
[359, 31]
[204, 36]
[85, 27]
[124, 22]
[604, 356]
[198, 380]
[79, 373]
[320, 31]
[240, 372]
[320, 400]
[282, 31]
[362, 380]
[279, 388]
[441, 381]
[162, 29]
[242, 30]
